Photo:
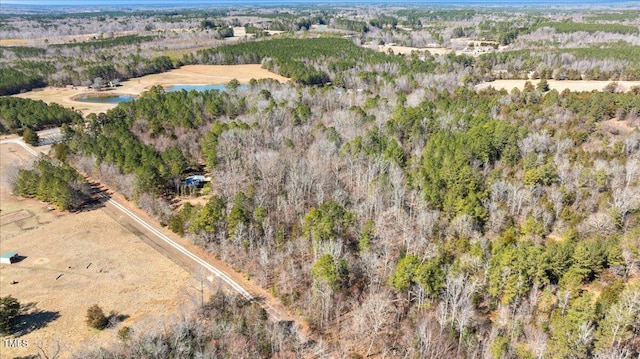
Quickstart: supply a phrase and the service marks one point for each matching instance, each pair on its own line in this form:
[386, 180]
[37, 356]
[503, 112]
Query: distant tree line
[14, 81]
[302, 59]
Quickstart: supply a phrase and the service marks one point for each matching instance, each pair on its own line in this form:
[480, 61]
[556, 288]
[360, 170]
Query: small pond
[105, 99]
[219, 87]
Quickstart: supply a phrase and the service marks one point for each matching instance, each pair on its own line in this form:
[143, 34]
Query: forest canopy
[379, 195]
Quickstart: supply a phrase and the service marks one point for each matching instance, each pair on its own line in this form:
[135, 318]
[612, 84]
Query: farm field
[74, 260]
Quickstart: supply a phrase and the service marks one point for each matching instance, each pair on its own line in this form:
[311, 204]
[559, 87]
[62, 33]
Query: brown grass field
[186, 75]
[405, 50]
[574, 86]
[73, 260]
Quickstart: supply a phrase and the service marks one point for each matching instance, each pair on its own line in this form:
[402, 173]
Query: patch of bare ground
[406, 50]
[554, 237]
[14, 217]
[617, 127]
[64, 39]
[560, 85]
[186, 75]
[69, 261]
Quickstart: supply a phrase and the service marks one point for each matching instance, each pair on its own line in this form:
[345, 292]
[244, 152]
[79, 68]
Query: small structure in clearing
[195, 181]
[8, 257]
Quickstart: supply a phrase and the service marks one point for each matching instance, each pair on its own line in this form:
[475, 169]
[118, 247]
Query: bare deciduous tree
[371, 319]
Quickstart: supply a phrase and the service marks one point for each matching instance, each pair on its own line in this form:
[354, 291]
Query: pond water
[105, 99]
[219, 87]
[126, 98]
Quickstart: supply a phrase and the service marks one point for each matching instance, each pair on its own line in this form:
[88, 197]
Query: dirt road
[192, 258]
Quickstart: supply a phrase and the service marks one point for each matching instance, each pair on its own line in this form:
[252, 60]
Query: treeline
[14, 81]
[602, 106]
[53, 182]
[45, 73]
[285, 56]
[570, 26]
[614, 16]
[106, 43]
[134, 66]
[18, 113]
[23, 51]
[620, 56]
[304, 59]
[113, 143]
[124, 136]
[69, 63]
[351, 25]
[504, 32]
[438, 14]
[616, 51]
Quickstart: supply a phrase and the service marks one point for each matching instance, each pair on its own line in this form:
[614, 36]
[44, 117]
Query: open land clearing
[186, 75]
[74, 260]
[405, 50]
[560, 85]
[458, 46]
[64, 39]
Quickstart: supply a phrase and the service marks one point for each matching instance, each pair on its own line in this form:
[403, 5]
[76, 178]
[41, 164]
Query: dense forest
[401, 212]
[17, 114]
[491, 224]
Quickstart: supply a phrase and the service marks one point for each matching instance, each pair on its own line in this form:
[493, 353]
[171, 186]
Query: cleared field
[405, 50]
[186, 75]
[62, 39]
[436, 51]
[576, 86]
[14, 42]
[70, 261]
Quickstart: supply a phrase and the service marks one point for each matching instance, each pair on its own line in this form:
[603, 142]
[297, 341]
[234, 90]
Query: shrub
[124, 333]
[96, 318]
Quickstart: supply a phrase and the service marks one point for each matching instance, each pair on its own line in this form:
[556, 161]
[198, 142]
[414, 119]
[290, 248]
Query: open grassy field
[406, 50]
[575, 86]
[71, 261]
[61, 39]
[186, 75]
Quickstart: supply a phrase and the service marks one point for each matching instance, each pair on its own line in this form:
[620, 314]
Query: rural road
[171, 249]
